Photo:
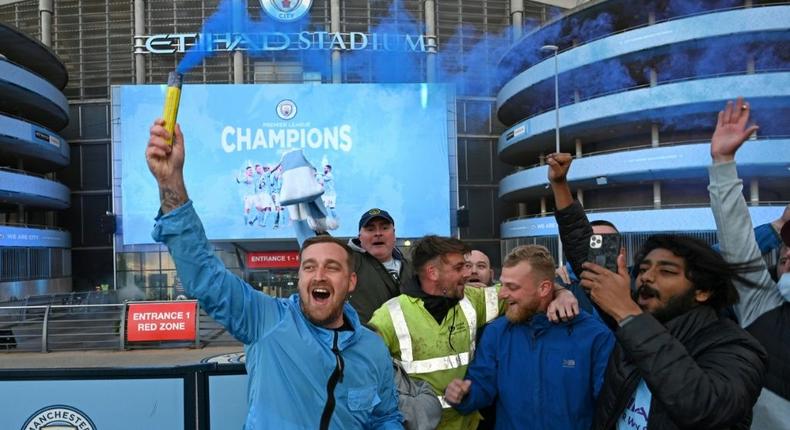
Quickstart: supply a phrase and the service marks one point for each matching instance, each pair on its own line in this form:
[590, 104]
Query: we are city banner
[366, 146]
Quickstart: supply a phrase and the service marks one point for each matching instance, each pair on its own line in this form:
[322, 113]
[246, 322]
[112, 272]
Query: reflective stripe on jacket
[433, 352]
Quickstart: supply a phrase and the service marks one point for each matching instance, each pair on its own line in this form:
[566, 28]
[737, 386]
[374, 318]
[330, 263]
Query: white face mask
[784, 286]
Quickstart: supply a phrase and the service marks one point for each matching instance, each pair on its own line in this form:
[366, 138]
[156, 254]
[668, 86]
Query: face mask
[784, 286]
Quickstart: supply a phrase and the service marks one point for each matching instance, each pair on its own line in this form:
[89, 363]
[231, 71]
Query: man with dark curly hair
[677, 363]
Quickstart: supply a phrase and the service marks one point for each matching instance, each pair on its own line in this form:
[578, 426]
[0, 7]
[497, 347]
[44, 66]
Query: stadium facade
[102, 44]
[35, 255]
[640, 83]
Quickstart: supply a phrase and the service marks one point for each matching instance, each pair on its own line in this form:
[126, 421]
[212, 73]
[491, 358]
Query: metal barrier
[208, 396]
[85, 327]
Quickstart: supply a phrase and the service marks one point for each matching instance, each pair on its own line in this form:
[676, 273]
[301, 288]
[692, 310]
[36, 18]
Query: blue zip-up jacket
[541, 375]
[289, 359]
[766, 237]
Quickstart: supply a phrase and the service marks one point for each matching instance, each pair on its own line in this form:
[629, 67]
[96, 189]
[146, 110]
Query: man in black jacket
[574, 230]
[380, 266]
[677, 364]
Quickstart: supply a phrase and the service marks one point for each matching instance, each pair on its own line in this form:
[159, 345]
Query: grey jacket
[417, 402]
[761, 310]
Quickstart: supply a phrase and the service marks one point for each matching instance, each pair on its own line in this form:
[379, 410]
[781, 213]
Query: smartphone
[604, 249]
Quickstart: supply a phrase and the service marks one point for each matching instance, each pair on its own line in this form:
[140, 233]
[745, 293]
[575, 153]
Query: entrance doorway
[274, 282]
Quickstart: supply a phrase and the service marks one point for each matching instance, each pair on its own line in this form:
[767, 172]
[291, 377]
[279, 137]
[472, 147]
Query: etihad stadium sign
[278, 41]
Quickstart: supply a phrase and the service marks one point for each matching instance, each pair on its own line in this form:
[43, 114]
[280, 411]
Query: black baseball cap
[785, 233]
[374, 213]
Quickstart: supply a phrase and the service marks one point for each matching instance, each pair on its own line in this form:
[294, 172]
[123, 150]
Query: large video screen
[365, 146]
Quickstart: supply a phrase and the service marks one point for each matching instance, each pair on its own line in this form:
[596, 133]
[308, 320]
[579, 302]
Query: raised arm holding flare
[311, 363]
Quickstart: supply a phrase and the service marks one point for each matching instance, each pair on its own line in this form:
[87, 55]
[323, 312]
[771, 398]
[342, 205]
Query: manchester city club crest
[286, 109]
[59, 417]
[286, 10]
[229, 358]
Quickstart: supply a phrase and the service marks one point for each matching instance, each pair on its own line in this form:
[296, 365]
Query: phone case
[603, 250]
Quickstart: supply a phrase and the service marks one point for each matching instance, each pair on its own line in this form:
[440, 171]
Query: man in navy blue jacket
[540, 374]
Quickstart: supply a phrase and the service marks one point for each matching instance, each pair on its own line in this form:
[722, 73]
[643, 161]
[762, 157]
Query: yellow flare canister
[172, 99]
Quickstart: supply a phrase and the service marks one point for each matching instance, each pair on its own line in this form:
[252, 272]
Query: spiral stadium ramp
[35, 256]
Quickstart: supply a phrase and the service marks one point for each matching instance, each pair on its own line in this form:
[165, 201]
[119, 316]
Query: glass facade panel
[97, 155]
[93, 208]
[128, 280]
[167, 261]
[130, 261]
[94, 121]
[479, 154]
[151, 261]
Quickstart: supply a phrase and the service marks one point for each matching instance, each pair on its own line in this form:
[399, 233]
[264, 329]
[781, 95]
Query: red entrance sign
[273, 260]
[161, 321]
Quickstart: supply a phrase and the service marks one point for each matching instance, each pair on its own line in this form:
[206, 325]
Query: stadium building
[102, 43]
[35, 255]
[640, 85]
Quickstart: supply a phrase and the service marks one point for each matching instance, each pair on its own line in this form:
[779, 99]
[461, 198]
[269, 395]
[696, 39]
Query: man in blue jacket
[540, 374]
[311, 364]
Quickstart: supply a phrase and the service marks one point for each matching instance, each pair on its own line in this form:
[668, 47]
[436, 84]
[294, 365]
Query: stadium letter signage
[278, 41]
[161, 321]
[273, 260]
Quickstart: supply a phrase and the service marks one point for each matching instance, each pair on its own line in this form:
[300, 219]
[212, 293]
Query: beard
[453, 291]
[322, 314]
[674, 307]
[321, 319]
[519, 314]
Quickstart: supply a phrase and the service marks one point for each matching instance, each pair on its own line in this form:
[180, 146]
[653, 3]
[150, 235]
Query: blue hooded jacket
[542, 375]
[289, 359]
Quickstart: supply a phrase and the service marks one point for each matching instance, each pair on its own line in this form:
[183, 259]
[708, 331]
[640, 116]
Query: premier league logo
[286, 10]
[286, 109]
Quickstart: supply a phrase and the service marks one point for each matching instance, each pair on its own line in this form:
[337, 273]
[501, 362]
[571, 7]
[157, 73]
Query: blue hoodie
[289, 359]
[541, 375]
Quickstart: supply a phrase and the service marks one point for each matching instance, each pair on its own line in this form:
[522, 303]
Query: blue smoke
[458, 57]
[467, 59]
[222, 21]
[232, 17]
[388, 66]
[674, 8]
[479, 63]
[694, 59]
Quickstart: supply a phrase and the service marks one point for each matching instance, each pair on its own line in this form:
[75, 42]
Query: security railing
[581, 42]
[22, 172]
[30, 225]
[648, 207]
[25, 263]
[83, 327]
[625, 89]
[632, 242]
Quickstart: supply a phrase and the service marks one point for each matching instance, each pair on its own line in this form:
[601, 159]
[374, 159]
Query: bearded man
[311, 363]
[541, 375]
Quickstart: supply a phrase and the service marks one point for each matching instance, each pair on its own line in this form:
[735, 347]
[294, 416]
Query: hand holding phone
[604, 249]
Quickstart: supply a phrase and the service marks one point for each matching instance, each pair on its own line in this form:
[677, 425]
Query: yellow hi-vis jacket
[437, 353]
